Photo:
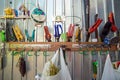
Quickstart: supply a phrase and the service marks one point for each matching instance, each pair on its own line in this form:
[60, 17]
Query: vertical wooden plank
[50, 15]
[40, 63]
[0, 70]
[78, 66]
[16, 72]
[30, 67]
[86, 66]
[2, 6]
[7, 69]
[69, 60]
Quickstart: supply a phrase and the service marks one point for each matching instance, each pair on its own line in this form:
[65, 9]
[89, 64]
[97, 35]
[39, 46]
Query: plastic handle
[95, 26]
[111, 19]
[59, 26]
[33, 35]
[26, 33]
[70, 30]
[47, 34]
[57, 31]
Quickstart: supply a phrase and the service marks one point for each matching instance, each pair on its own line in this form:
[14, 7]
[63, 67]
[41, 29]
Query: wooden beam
[53, 46]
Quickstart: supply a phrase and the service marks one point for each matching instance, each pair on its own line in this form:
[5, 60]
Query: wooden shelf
[19, 17]
[52, 46]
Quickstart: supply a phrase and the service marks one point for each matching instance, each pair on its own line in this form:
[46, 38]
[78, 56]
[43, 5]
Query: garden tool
[2, 36]
[21, 63]
[78, 34]
[64, 37]
[96, 31]
[87, 16]
[57, 33]
[47, 34]
[111, 19]
[95, 26]
[94, 65]
[22, 66]
[70, 32]
[115, 39]
[10, 36]
[106, 30]
[23, 9]
[9, 13]
[18, 33]
[30, 38]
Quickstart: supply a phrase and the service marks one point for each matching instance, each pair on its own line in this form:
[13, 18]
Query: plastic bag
[117, 73]
[108, 72]
[59, 62]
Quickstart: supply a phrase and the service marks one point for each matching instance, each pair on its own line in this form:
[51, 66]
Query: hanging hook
[94, 49]
[24, 48]
[86, 49]
[80, 49]
[28, 53]
[32, 49]
[39, 49]
[16, 49]
[36, 53]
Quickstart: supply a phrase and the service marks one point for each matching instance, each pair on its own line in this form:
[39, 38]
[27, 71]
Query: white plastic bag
[63, 73]
[108, 72]
[117, 73]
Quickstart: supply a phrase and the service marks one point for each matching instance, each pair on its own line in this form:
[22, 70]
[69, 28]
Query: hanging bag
[56, 69]
[108, 72]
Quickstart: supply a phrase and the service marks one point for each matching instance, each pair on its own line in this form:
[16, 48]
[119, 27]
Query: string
[75, 17]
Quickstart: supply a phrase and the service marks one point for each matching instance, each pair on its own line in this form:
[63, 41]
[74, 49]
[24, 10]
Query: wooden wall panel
[8, 69]
[40, 63]
[0, 71]
[16, 72]
[31, 67]
[80, 66]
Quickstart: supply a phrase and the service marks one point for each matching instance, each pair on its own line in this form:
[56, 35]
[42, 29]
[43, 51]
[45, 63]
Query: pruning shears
[70, 31]
[47, 34]
[111, 19]
[57, 33]
[30, 38]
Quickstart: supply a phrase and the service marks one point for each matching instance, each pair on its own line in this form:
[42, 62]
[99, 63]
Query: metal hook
[16, 49]
[87, 48]
[39, 49]
[95, 48]
[28, 52]
[36, 52]
[32, 49]
[80, 49]
[24, 49]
